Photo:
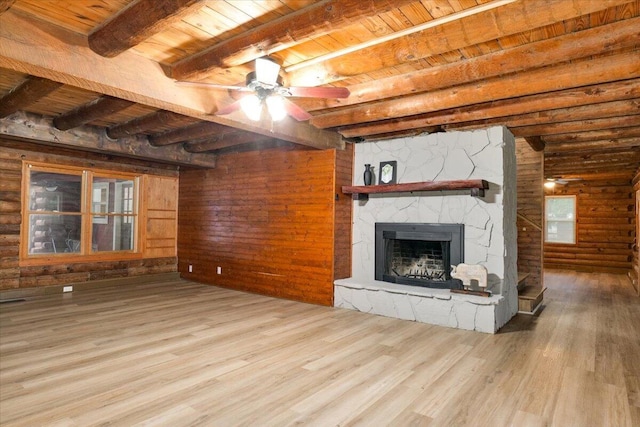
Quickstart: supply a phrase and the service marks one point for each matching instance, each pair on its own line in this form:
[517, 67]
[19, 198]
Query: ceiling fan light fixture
[549, 184]
[267, 70]
[275, 105]
[252, 107]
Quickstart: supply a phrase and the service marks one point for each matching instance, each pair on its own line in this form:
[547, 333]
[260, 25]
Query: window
[73, 212]
[560, 214]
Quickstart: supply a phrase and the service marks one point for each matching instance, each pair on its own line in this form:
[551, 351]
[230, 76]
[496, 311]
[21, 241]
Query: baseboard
[13, 294]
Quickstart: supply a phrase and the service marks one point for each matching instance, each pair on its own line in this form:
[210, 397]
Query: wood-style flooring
[180, 353]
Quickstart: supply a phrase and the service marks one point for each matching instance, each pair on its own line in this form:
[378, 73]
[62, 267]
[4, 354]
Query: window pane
[55, 192]
[54, 233]
[112, 195]
[116, 234]
[561, 220]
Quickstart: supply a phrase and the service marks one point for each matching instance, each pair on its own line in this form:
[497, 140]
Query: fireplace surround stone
[490, 230]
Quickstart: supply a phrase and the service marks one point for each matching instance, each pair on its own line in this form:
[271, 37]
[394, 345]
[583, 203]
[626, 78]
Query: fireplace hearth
[419, 254]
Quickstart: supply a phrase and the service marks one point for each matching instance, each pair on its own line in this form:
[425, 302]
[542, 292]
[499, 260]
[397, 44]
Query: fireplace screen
[419, 254]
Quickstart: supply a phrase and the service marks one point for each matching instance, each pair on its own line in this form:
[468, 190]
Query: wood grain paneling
[635, 271]
[266, 219]
[12, 276]
[160, 214]
[530, 211]
[343, 220]
[605, 227]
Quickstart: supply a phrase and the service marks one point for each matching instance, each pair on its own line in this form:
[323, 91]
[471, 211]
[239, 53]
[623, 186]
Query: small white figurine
[467, 272]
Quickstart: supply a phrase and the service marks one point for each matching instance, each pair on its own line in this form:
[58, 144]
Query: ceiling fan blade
[214, 86]
[294, 111]
[234, 106]
[319, 92]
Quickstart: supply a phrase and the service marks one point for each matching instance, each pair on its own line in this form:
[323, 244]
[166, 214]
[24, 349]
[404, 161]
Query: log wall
[530, 211]
[635, 271]
[605, 227]
[270, 221]
[12, 275]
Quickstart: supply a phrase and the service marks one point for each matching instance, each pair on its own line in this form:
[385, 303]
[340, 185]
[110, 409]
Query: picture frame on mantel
[388, 172]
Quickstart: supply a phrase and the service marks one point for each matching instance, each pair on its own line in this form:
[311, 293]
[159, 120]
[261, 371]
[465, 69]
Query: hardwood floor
[180, 353]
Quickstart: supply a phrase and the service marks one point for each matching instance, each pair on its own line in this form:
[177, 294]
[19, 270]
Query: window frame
[86, 254]
[574, 220]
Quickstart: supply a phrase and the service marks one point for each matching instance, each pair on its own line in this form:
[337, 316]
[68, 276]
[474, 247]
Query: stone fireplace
[419, 254]
[489, 232]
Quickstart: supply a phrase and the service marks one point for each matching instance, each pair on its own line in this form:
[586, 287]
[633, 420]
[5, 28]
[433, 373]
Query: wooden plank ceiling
[564, 74]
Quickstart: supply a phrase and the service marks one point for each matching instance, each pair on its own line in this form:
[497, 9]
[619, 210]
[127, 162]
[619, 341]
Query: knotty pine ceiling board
[416, 13]
[62, 100]
[80, 16]
[376, 26]
[175, 43]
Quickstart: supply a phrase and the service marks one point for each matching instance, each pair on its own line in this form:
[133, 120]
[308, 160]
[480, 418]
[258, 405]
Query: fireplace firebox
[419, 254]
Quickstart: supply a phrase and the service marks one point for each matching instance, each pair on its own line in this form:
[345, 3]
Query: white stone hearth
[426, 305]
[489, 226]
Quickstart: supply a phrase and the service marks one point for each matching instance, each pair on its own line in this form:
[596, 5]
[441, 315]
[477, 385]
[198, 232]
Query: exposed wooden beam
[5, 5]
[26, 93]
[576, 126]
[267, 144]
[188, 133]
[564, 76]
[224, 141]
[584, 112]
[596, 135]
[594, 94]
[523, 15]
[34, 128]
[137, 22]
[313, 21]
[558, 163]
[150, 122]
[572, 46]
[100, 107]
[288, 127]
[441, 20]
[49, 51]
[403, 133]
[606, 176]
[535, 142]
[600, 145]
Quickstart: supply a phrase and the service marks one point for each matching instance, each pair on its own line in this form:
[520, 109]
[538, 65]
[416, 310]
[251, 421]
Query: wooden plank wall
[12, 276]
[605, 229]
[160, 216]
[530, 211]
[635, 272]
[267, 220]
[343, 220]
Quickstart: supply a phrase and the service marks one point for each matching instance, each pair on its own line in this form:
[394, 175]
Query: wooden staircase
[529, 296]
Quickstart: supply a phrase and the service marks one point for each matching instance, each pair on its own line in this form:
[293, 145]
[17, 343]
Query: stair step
[530, 299]
[522, 277]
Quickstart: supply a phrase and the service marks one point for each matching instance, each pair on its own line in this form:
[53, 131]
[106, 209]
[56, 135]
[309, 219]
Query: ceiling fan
[265, 87]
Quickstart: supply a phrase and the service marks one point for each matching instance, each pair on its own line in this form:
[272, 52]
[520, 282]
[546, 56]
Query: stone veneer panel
[490, 223]
[434, 306]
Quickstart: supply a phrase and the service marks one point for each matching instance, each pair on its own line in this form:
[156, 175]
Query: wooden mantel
[361, 192]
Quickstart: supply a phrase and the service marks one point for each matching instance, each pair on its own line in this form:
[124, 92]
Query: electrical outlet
[190, 268]
[219, 270]
[67, 289]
